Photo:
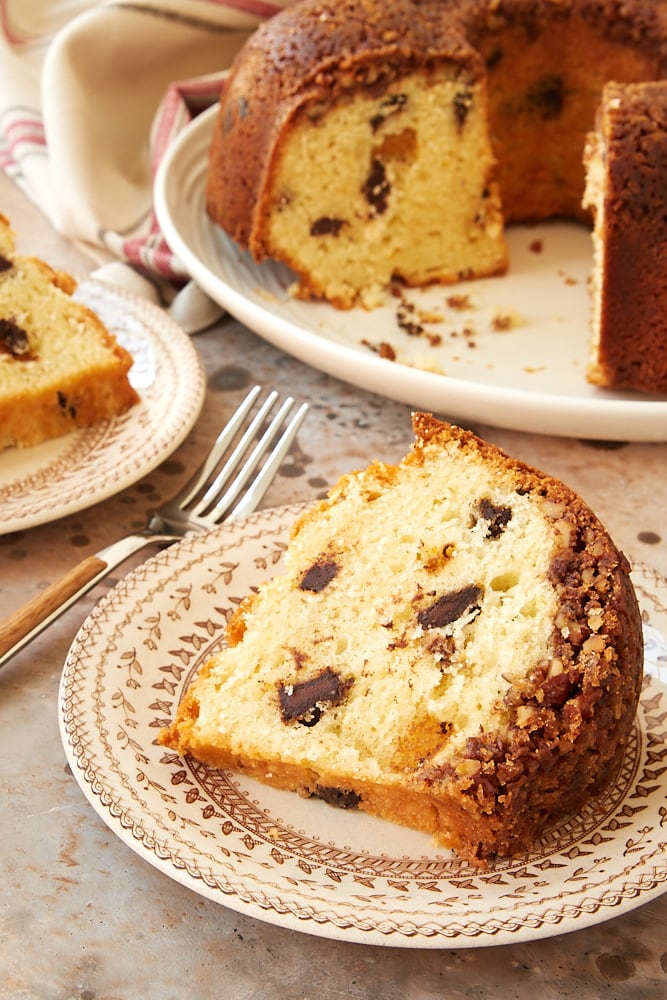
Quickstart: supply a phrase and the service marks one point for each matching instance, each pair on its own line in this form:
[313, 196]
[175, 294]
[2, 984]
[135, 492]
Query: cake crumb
[506, 320]
[459, 302]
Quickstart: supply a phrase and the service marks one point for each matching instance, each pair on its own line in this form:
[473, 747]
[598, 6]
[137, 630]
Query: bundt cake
[60, 368]
[361, 143]
[454, 644]
[627, 191]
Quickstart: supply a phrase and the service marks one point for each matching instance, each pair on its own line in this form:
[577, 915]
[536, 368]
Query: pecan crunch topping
[306, 701]
[452, 606]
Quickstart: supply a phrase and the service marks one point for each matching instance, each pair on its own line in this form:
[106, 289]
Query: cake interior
[60, 368]
[381, 624]
[409, 175]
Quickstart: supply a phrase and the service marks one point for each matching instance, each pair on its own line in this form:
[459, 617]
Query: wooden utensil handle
[21, 622]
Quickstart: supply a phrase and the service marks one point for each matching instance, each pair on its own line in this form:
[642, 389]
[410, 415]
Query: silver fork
[229, 483]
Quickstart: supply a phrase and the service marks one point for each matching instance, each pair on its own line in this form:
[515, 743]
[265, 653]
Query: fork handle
[40, 608]
[32, 618]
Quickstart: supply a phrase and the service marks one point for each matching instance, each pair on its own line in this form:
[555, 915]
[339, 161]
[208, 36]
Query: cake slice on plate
[60, 368]
[454, 644]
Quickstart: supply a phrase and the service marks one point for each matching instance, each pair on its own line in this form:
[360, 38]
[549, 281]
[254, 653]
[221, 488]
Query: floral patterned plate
[73, 472]
[303, 864]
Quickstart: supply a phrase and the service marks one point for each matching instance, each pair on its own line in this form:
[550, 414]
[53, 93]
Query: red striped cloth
[92, 93]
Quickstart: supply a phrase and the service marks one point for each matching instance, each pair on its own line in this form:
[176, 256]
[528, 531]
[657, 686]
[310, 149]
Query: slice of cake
[353, 147]
[454, 644]
[60, 368]
[627, 190]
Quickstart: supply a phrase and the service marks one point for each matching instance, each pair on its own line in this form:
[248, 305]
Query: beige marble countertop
[84, 918]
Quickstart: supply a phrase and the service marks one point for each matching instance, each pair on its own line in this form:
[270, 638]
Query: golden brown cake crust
[632, 234]
[559, 730]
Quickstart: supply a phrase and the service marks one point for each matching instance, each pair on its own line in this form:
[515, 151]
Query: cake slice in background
[627, 190]
[60, 368]
[454, 644]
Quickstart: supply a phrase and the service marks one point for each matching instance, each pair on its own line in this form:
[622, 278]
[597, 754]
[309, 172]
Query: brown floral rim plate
[71, 473]
[302, 864]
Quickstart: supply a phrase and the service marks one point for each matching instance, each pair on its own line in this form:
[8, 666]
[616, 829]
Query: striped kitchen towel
[92, 93]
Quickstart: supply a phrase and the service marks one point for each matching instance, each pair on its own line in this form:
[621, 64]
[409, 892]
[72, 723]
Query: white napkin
[91, 95]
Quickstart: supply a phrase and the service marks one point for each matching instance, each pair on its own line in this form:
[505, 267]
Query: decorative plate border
[73, 472]
[300, 863]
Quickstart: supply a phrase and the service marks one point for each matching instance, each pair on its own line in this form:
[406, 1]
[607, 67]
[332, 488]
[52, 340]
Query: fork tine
[262, 482]
[213, 490]
[220, 446]
[264, 477]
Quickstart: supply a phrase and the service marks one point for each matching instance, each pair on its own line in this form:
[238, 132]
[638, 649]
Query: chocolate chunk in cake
[320, 575]
[305, 701]
[450, 607]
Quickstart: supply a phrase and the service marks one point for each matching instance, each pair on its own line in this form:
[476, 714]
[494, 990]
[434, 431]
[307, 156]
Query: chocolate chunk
[343, 798]
[13, 339]
[450, 607]
[377, 188]
[497, 516]
[388, 107]
[5, 265]
[306, 701]
[319, 575]
[462, 106]
[63, 404]
[327, 226]
[547, 97]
